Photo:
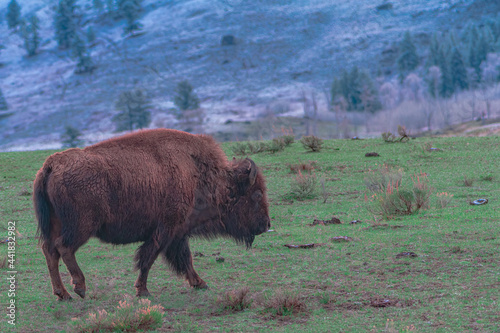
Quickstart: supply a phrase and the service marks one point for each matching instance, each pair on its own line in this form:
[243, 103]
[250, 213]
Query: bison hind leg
[178, 256]
[52, 257]
[145, 257]
[68, 256]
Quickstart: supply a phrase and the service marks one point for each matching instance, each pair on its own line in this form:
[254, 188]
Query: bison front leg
[145, 257]
[178, 255]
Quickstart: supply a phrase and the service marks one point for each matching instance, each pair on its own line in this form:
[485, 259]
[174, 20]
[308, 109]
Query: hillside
[281, 50]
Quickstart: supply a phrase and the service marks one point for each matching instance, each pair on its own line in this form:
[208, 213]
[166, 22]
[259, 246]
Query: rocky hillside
[280, 49]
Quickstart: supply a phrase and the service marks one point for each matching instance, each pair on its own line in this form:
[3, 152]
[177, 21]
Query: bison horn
[253, 172]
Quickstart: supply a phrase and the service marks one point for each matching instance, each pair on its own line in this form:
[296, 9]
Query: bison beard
[159, 187]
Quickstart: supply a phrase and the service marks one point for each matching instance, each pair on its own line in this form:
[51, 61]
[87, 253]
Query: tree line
[451, 63]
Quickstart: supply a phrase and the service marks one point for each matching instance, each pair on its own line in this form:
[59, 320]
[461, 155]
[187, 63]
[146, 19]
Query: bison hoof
[80, 292]
[64, 297]
[143, 293]
[202, 285]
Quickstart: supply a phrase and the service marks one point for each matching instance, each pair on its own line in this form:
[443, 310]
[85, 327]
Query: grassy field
[452, 285]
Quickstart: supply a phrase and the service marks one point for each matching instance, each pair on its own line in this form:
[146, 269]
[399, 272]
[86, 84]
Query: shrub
[395, 200]
[284, 303]
[487, 177]
[468, 181]
[276, 145]
[302, 166]
[239, 149]
[404, 135]
[303, 186]
[288, 139]
[378, 181]
[130, 316]
[312, 143]
[235, 300]
[257, 147]
[443, 199]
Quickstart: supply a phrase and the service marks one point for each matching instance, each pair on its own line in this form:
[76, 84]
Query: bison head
[249, 211]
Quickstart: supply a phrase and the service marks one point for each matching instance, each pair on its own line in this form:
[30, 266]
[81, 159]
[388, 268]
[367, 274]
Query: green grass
[451, 286]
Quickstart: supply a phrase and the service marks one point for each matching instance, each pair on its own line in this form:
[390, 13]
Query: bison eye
[257, 196]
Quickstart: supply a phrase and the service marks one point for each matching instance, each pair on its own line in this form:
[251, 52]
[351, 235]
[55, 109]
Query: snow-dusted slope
[283, 47]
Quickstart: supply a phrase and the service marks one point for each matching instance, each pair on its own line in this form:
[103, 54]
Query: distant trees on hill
[452, 62]
[357, 89]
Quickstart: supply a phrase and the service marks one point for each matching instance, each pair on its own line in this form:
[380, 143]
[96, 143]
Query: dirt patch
[304, 246]
[383, 226]
[406, 255]
[333, 220]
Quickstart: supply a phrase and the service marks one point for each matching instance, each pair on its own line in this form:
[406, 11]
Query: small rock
[341, 239]
[406, 255]
[372, 154]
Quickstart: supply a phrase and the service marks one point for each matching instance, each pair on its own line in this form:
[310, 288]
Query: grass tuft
[235, 300]
[130, 316]
[284, 302]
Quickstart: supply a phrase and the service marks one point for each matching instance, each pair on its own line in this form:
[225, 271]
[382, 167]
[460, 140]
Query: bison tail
[42, 203]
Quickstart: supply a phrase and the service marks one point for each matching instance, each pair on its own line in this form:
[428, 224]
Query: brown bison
[159, 187]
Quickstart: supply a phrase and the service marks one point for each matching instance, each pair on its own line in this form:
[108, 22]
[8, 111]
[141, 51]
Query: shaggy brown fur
[159, 187]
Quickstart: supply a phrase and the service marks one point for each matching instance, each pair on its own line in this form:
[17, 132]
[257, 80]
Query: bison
[159, 187]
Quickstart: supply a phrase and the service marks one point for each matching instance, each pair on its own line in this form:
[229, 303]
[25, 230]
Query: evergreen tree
[130, 9]
[185, 98]
[71, 137]
[91, 37]
[433, 58]
[13, 14]
[408, 58]
[80, 51]
[134, 107]
[458, 71]
[357, 88]
[98, 5]
[446, 87]
[30, 35]
[433, 81]
[66, 23]
[3, 102]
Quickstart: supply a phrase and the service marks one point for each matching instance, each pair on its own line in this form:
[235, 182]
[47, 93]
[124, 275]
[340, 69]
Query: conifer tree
[134, 107]
[458, 71]
[446, 87]
[433, 81]
[13, 14]
[3, 102]
[82, 54]
[408, 58]
[357, 88]
[433, 58]
[66, 23]
[185, 98]
[29, 32]
[71, 137]
[98, 5]
[130, 9]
